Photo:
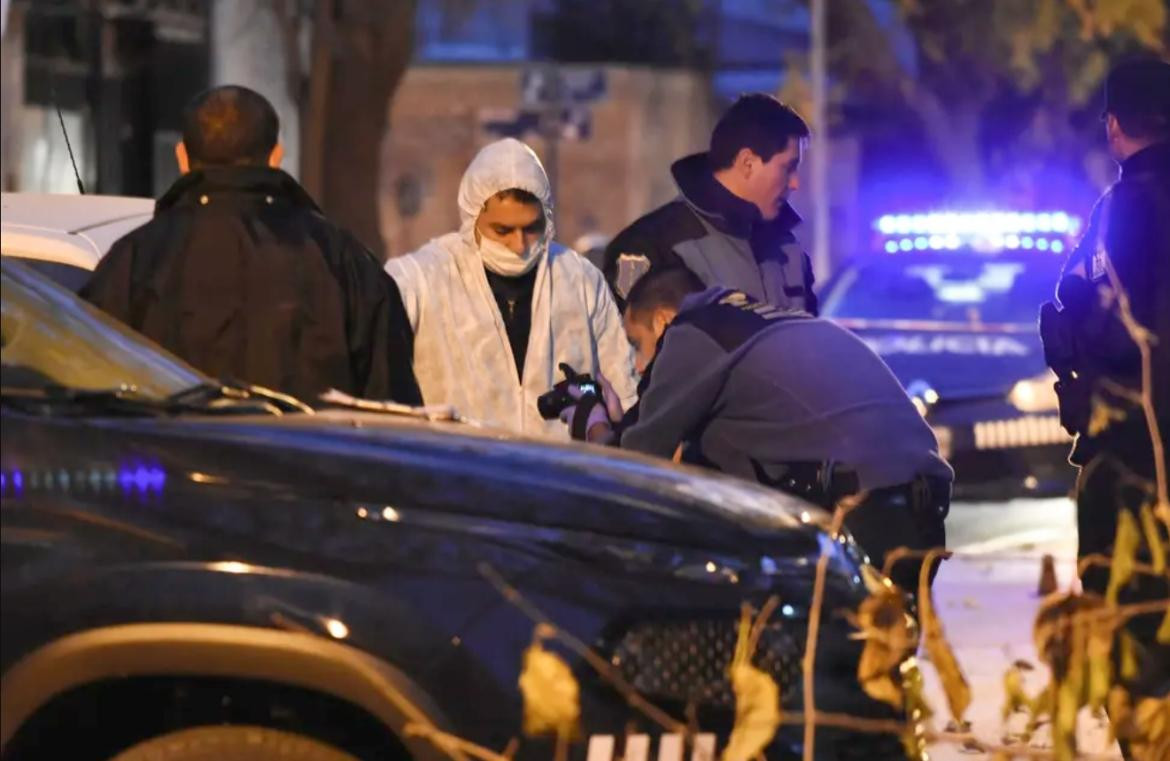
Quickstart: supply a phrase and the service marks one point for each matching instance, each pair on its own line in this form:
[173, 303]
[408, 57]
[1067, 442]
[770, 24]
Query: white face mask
[504, 261]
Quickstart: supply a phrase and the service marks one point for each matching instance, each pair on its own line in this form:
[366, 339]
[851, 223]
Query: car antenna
[65, 132]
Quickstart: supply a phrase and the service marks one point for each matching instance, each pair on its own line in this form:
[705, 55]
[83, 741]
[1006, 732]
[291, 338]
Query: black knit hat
[1138, 92]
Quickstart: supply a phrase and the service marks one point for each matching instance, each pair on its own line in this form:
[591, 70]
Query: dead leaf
[757, 713]
[1015, 698]
[955, 686]
[552, 697]
[1103, 416]
[889, 637]
[1064, 722]
[1153, 535]
[1127, 655]
[1098, 648]
[1120, 714]
[757, 697]
[1125, 547]
[1151, 721]
[1043, 705]
[1073, 639]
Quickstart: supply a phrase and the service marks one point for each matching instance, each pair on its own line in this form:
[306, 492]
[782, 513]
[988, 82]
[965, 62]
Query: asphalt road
[987, 598]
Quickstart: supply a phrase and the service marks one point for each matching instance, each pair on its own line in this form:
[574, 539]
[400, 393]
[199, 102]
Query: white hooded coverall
[462, 356]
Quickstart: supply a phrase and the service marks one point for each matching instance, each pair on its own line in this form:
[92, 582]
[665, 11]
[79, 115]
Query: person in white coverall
[497, 306]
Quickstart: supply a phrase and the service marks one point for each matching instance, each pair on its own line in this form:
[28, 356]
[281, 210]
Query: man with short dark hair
[719, 380]
[1101, 370]
[241, 275]
[731, 224]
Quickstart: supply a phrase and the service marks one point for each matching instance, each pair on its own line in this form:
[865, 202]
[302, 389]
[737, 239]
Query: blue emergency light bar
[982, 230]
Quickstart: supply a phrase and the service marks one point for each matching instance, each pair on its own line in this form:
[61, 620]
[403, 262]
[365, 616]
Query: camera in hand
[552, 403]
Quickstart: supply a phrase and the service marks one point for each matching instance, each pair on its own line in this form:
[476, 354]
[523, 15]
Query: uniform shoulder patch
[736, 317]
[630, 269]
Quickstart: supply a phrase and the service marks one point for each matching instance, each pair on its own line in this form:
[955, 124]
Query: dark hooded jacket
[718, 236]
[1130, 230]
[241, 275]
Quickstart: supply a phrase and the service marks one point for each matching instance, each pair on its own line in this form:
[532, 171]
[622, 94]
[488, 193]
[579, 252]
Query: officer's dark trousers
[1107, 485]
[909, 516]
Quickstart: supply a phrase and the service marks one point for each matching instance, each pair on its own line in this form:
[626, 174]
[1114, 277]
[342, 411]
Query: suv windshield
[966, 289]
[49, 337]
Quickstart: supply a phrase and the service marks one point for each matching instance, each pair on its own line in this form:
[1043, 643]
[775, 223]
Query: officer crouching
[795, 402]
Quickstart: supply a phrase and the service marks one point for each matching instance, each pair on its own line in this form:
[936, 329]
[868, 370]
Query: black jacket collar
[727, 211]
[252, 183]
[1152, 159]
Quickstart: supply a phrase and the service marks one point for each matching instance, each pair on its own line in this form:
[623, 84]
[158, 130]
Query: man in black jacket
[1102, 372]
[241, 275]
[731, 224]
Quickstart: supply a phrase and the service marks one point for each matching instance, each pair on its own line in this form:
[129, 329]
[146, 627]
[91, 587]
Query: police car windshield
[956, 287]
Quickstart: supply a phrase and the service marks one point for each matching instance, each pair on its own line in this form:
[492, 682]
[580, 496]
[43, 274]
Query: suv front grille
[687, 661]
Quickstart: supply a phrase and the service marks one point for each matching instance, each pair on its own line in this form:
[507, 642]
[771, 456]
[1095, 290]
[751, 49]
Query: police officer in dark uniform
[1101, 369]
[836, 423]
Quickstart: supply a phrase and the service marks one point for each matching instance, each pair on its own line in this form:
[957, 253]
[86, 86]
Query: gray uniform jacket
[720, 238]
[755, 387]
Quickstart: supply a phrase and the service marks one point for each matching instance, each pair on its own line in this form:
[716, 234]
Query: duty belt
[827, 483]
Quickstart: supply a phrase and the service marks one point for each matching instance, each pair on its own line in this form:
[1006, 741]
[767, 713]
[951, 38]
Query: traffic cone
[1047, 583]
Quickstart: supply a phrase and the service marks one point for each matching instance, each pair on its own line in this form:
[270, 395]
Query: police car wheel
[232, 743]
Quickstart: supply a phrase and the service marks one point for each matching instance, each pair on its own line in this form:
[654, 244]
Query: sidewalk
[986, 597]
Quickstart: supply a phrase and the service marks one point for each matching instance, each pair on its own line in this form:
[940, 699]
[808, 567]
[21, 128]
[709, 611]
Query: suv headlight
[1035, 394]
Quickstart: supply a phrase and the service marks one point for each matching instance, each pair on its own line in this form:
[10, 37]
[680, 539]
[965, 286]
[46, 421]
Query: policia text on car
[778, 396]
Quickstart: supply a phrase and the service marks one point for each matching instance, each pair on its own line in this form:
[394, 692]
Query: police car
[950, 301]
[192, 571]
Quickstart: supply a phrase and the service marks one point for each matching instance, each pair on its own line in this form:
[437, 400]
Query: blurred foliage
[1075, 636]
[991, 84]
[1028, 44]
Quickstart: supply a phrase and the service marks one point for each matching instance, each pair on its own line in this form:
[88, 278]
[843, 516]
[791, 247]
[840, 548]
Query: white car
[65, 236]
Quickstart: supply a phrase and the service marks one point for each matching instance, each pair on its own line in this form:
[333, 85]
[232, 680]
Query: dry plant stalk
[1144, 338]
[955, 685]
[452, 745]
[898, 554]
[809, 661]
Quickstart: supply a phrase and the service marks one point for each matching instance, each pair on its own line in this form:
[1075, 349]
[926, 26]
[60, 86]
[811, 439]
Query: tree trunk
[315, 100]
[361, 51]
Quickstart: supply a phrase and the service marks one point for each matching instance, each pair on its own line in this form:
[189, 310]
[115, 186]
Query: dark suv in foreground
[194, 571]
